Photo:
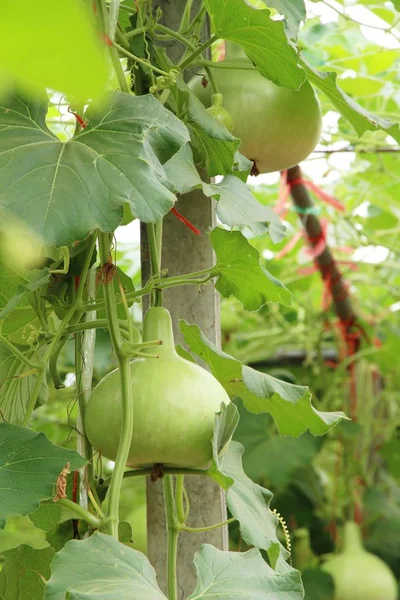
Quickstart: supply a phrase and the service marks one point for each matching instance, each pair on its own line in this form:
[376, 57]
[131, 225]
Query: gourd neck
[352, 539]
[157, 325]
[233, 51]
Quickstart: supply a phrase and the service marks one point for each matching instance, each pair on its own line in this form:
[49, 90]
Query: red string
[185, 221]
[284, 190]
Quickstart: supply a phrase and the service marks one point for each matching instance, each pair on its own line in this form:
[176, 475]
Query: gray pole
[185, 252]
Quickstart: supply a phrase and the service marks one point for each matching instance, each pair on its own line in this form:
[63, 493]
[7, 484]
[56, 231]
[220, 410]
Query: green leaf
[17, 382]
[294, 12]
[47, 515]
[29, 468]
[63, 191]
[249, 504]
[116, 572]
[360, 118]
[391, 453]
[24, 572]
[240, 273]
[241, 576]
[263, 40]
[236, 205]
[215, 145]
[290, 405]
[45, 38]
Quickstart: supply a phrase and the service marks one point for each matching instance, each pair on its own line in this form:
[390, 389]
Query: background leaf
[29, 467]
[116, 571]
[360, 118]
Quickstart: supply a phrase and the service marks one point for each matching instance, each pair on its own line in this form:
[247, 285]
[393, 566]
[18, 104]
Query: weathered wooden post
[185, 252]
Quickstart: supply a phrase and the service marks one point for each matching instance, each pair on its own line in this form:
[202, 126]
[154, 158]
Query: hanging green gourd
[174, 405]
[278, 127]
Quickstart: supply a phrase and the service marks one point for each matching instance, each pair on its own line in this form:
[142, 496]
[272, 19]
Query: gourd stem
[126, 386]
[173, 534]
[179, 487]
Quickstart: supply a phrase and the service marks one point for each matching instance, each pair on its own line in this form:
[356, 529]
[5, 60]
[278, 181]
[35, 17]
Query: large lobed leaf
[290, 405]
[62, 191]
[101, 568]
[242, 576]
[29, 468]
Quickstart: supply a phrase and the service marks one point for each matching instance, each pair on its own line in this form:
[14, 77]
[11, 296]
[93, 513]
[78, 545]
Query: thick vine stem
[173, 534]
[81, 512]
[126, 385]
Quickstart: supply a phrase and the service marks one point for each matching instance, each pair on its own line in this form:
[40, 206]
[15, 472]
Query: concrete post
[185, 252]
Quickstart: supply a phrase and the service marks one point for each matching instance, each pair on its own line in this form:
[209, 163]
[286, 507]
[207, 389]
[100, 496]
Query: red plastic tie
[107, 40]
[185, 221]
[78, 118]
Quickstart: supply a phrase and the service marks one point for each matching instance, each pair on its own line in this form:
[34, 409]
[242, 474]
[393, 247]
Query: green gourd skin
[358, 574]
[174, 406]
[278, 127]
